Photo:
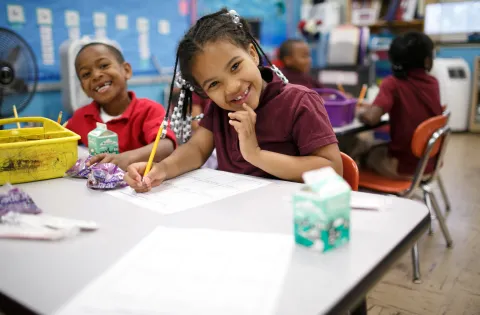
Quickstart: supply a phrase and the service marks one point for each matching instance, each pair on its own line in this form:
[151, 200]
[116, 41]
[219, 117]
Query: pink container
[340, 109]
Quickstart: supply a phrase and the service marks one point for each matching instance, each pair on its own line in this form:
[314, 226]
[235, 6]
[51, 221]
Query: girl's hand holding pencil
[133, 176]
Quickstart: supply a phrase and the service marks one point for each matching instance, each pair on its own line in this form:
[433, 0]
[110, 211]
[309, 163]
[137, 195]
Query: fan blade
[13, 55]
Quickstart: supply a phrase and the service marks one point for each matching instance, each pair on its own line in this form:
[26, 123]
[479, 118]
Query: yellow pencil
[154, 150]
[16, 116]
[340, 88]
[362, 94]
[59, 119]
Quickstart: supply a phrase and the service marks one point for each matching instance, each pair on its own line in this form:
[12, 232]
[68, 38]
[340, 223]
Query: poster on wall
[269, 14]
[46, 24]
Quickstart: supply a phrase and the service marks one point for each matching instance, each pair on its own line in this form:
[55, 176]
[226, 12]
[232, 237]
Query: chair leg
[443, 192]
[429, 196]
[416, 264]
[432, 215]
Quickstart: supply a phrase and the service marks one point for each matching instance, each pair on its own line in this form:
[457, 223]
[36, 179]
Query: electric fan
[18, 73]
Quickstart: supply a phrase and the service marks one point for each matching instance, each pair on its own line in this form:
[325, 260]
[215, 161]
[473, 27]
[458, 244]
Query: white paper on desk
[191, 271]
[191, 190]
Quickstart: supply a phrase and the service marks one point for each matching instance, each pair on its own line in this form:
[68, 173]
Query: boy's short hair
[285, 48]
[118, 55]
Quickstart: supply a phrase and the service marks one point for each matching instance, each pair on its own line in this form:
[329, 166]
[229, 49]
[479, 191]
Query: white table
[356, 126]
[41, 276]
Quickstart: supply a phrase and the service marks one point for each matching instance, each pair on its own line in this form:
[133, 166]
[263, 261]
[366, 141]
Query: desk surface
[44, 275]
[356, 126]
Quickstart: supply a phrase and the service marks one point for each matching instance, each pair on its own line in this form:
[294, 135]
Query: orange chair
[439, 179]
[429, 140]
[350, 171]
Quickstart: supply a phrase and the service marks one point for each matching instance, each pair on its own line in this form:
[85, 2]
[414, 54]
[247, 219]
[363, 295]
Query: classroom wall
[47, 101]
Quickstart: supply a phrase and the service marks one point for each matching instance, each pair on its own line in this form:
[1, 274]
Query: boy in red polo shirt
[295, 56]
[103, 74]
[258, 125]
[410, 96]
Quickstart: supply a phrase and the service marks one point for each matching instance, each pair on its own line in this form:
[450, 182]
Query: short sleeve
[207, 120]
[153, 120]
[311, 126]
[385, 97]
[76, 124]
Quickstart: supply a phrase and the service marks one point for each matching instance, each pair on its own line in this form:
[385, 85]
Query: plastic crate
[37, 153]
[340, 109]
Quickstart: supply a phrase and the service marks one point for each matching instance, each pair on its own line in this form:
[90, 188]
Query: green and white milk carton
[322, 210]
[102, 140]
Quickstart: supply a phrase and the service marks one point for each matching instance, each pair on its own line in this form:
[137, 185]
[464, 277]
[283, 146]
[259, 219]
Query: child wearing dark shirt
[258, 124]
[295, 56]
[410, 96]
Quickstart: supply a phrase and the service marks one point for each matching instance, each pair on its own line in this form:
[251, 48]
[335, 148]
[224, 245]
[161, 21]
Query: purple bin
[340, 109]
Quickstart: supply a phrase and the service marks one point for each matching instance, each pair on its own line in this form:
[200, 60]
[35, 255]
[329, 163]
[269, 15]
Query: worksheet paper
[190, 190]
[189, 272]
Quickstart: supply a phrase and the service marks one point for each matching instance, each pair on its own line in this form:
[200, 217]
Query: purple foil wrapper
[16, 200]
[106, 176]
[80, 169]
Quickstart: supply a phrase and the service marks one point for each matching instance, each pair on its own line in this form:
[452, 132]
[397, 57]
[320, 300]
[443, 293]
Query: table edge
[359, 292]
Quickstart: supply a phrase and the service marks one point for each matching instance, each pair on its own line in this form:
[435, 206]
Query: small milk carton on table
[102, 140]
[322, 210]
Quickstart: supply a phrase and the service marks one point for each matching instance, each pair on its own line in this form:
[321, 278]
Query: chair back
[429, 140]
[350, 171]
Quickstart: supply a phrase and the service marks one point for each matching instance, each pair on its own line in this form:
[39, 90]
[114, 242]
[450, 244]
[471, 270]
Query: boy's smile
[103, 77]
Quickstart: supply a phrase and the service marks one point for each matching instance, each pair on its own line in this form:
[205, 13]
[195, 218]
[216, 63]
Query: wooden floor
[451, 277]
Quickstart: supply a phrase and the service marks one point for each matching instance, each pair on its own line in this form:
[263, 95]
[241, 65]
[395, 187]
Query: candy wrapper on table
[99, 176]
[80, 169]
[16, 200]
[106, 176]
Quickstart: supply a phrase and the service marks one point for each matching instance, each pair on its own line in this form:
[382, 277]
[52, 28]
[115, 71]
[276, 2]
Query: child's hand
[154, 178]
[244, 123]
[122, 160]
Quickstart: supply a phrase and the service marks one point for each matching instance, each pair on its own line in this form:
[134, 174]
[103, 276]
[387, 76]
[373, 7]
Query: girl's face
[229, 74]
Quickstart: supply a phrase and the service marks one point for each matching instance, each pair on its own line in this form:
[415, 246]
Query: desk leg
[361, 308]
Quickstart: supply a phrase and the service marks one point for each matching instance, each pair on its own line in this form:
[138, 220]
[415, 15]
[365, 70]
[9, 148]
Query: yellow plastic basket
[31, 154]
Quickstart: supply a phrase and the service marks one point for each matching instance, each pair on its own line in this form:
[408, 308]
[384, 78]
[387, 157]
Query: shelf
[398, 25]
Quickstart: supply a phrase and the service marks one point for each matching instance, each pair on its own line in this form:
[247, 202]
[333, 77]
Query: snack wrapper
[16, 200]
[99, 176]
[106, 176]
[80, 169]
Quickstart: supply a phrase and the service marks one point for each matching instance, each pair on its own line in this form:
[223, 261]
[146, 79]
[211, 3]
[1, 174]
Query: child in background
[410, 96]
[295, 56]
[259, 125]
[103, 74]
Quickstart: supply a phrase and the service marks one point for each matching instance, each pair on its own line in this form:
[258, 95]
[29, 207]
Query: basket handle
[47, 123]
[339, 95]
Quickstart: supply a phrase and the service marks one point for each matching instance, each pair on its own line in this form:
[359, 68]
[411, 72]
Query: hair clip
[279, 74]
[397, 67]
[235, 17]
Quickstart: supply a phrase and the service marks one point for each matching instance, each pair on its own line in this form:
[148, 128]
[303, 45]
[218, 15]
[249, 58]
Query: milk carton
[102, 140]
[322, 210]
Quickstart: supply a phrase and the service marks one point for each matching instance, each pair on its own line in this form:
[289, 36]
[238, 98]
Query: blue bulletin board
[161, 24]
[271, 13]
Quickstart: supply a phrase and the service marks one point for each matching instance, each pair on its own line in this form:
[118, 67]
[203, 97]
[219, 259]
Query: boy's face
[229, 75]
[102, 77]
[299, 57]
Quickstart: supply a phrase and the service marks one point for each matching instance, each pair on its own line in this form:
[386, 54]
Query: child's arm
[281, 165]
[123, 160]
[187, 157]
[383, 103]
[371, 115]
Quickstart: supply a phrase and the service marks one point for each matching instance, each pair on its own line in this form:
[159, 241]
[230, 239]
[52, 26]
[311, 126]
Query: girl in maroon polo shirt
[258, 124]
[410, 96]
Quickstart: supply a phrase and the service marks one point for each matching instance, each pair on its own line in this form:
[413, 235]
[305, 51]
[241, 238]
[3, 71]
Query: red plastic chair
[350, 171]
[429, 140]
